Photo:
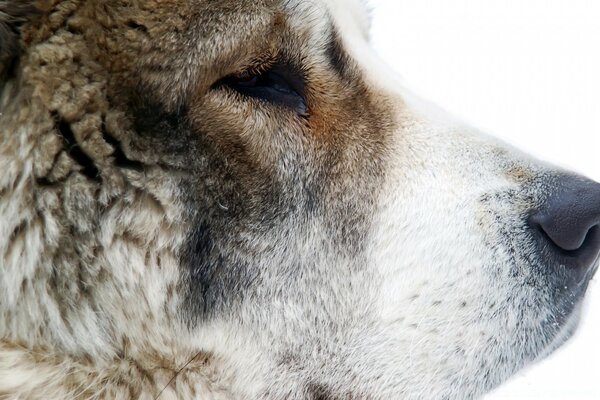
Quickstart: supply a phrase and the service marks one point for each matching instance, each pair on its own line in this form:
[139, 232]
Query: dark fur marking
[214, 280]
[316, 391]
[337, 58]
[88, 168]
[152, 119]
[205, 263]
[209, 278]
[163, 130]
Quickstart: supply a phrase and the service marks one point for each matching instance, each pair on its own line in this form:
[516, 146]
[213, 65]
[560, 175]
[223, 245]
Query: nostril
[565, 243]
[567, 234]
[581, 256]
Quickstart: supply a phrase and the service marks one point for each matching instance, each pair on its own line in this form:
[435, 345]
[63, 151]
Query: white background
[527, 71]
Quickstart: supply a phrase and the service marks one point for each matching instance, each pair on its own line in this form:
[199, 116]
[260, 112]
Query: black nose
[570, 222]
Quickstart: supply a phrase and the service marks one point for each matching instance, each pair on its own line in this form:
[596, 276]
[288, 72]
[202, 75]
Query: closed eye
[276, 85]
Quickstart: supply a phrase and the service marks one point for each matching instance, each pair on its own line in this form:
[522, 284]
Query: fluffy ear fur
[12, 14]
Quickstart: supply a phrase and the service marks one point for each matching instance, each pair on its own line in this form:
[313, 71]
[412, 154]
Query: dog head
[231, 198]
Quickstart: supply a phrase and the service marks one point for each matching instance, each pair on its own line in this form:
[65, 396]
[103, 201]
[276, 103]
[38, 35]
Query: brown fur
[109, 117]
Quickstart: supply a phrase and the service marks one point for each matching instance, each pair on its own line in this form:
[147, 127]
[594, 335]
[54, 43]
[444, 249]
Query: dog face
[231, 199]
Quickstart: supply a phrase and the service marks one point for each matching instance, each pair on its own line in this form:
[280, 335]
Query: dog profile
[232, 200]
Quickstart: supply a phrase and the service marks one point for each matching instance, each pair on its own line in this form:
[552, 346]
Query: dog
[233, 200]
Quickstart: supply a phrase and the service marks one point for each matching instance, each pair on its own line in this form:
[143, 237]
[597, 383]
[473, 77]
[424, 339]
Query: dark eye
[276, 85]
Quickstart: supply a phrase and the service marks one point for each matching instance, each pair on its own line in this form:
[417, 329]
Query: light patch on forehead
[350, 17]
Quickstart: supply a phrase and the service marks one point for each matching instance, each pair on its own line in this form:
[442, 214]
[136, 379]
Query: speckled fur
[163, 237]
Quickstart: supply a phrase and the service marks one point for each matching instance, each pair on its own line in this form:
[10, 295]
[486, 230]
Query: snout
[567, 227]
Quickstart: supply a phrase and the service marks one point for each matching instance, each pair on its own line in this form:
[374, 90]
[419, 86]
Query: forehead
[350, 17]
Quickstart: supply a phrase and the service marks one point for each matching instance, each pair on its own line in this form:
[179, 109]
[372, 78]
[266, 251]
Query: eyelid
[257, 65]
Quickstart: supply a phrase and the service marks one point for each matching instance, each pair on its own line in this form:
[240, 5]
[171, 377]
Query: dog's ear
[13, 13]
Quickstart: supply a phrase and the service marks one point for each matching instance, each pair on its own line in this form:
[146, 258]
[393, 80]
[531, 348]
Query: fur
[163, 235]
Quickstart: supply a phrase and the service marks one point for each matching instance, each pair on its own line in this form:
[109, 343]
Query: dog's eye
[276, 86]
